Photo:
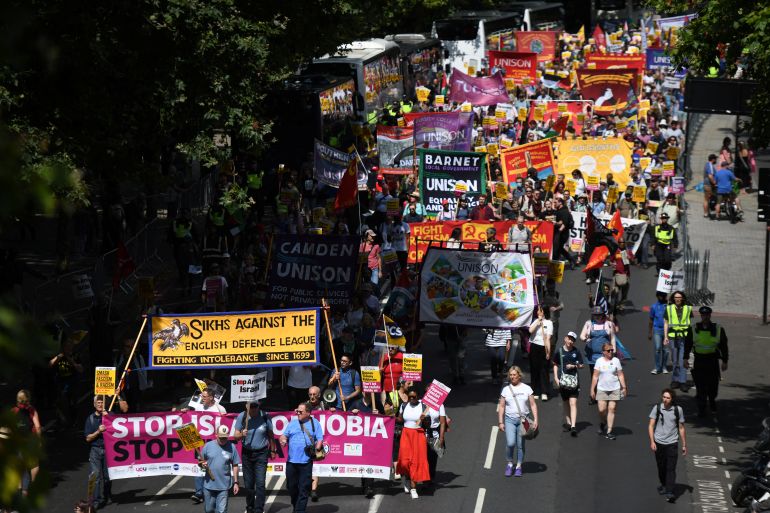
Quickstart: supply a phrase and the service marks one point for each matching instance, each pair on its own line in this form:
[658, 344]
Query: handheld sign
[436, 395]
[370, 378]
[668, 168]
[612, 194]
[248, 387]
[592, 182]
[501, 191]
[670, 281]
[104, 381]
[556, 270]
[412, 367]
[640, 194]
[541, 263]
[439, 99]
[392, 207]
[189, 436]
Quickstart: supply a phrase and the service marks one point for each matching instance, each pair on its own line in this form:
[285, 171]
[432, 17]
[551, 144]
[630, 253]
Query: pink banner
[477, 90]
[436, 394]
[145, 444]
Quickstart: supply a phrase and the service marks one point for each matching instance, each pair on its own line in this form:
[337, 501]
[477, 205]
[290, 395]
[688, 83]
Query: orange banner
[616, 61]
[515, 161]
[541, 42]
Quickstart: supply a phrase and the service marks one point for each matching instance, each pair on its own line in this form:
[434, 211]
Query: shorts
[707, 191]
[724, 197]
[566, 393]
[611, 395]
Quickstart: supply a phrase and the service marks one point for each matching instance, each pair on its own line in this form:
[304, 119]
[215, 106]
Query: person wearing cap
[220, 460]
[656, 333]
[446, 213]
[709, 343]
[414, 201]
[301, 431]
[597, 331]
[567, 360]
[373, 251]
[255, 429]
[671, 208]
[678, 334]
[665, 242]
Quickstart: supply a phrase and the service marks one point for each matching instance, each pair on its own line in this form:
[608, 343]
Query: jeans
[661, 351]
[496, 360]
[254, 465]
[199, 486]
[215, 501]
[298, 480]
[375, 279]
[513, 440]
[676, 345]
[98, 465]
[665, 457]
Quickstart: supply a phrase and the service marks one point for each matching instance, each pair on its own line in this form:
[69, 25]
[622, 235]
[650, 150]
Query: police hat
[664, 216]
[704, 310]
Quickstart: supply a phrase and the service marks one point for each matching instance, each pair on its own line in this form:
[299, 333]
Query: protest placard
[218, 390]
[81, 287]
[438, 99]
[612, 194]
[501, 191]
[422, 93]
[640, 194]
[652, 146]
[592, 182]
[570, 185]
[412, 367]
[576, 244]
[370, 378]
[188, 434]
[668, 168]
[248, 387]
[541, 263]
[391, 207]
[436, 394]
[104, 381]
[677, 185]
[556, 270]
[645, 162]
[670, 281]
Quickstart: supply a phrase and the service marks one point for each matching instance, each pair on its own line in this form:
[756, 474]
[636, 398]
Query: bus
[468, 35]
[420, 60]
[538, 15]
[374, 65]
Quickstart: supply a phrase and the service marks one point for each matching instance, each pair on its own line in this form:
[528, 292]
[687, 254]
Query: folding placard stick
[325, 308]
[128, 361]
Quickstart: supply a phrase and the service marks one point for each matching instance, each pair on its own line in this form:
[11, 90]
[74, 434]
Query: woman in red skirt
[413, 451]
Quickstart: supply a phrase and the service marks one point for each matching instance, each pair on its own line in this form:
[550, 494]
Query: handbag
[310, 449]
[525, 428]
[566, 381]
[621, 280]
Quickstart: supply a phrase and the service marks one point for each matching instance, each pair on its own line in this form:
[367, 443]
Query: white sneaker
[414, 493]
[544, 397]
[654, 371]
[405, 483]
[665, 371]
[588, 281]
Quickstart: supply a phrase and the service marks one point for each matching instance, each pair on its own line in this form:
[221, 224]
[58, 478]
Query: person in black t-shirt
[566, 361]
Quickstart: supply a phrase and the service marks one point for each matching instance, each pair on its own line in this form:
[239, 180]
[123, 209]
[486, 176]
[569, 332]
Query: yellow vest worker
[676, 324]
[709, 345]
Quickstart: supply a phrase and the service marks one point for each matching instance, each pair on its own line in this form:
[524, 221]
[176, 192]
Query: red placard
[515, 161]
[541, 42]
[517, 65]
[616, 61]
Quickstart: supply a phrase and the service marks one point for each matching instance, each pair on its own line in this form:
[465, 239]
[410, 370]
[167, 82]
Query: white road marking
[721, 449]
[491, 447]
[480, 500]
[719, 439]
[277, 486]
[727, 474]
[724, 461]
[163, 490]
[374, 504]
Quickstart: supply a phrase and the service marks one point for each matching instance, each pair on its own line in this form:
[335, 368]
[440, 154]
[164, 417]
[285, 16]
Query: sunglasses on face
[412, 397]
[609, 350]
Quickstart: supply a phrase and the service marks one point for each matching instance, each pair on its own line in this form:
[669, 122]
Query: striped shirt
[497, 338]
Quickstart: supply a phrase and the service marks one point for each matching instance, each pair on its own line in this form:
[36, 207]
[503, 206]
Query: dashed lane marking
[163, 490]
[491, 447]
[480, 500]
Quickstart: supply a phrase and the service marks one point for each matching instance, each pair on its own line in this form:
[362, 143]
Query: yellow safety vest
[678, 327]
[406, 108]
[181, 230]
[217, 218]
[664, 236]
[706, 343]
[254, 180]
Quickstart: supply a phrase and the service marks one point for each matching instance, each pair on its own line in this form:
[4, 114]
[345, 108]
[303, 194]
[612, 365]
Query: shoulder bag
[310, 449]
[525, 428]
[566, 381]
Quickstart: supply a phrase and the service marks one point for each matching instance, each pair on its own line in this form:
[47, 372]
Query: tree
[735, 30]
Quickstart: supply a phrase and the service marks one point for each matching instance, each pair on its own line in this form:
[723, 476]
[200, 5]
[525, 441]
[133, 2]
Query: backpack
[659, 415]
[24, 420]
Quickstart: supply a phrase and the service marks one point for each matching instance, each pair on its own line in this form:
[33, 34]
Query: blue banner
[657, 59]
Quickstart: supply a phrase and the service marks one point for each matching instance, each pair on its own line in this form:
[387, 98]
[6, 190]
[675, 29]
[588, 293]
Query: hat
[415, 194]
[664, 216]
[597, 310]
[572, 335]
[223, 431]
[704, 310]
[371, 232]
[663, 123]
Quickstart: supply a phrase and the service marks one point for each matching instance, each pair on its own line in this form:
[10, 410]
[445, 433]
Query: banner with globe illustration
[475, 288]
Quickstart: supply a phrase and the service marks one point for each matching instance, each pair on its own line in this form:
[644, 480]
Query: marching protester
[304, 437]
[208, 402]
[666, 429]
[498, 343]
[28, 421]
[666, 242]
[608, 386]
[541, 331]
[656, 333]
[220, 459]
[677, 333]
[94, 433]
[566, 362]
[597, 332]
[413, 449]
[709, 343]
[515, 405]
[255, 429]
[347, 383]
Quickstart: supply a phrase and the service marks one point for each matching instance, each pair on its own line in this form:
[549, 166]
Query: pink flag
[477, 90]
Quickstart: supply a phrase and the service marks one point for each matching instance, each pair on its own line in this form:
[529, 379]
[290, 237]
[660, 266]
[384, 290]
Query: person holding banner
[255, 429]
[413, 449]
[97, 462]
[349, 382]
[303, 431]
[515, 404]
[220, 459]
[541, 331]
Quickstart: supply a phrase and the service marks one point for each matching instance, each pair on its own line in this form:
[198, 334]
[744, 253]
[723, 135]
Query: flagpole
[128, 362]
[598, 286]
[325, 307]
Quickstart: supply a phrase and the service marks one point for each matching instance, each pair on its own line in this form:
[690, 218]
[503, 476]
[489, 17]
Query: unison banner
[307, 268]
[329, 164]
[596, 156]
[444, 131]
[517, 65]
[472, 232]
[633, 229]
[238, 339]
[541, 42]
[553, 110]
[609, 88]
[539, 155]
[445, 175]
[657, 59]
[475, 288]
[477, 90]
[145, 444]
[396, 148]
[616, 61]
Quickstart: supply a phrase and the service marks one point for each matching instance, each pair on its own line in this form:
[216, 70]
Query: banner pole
[128, 361]
[387, 352]
[269, 253]
[325, 308]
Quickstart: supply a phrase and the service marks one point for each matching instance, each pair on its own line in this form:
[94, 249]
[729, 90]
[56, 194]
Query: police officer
[709, 343]
[677, 332]
[665, 240]
[255, 429]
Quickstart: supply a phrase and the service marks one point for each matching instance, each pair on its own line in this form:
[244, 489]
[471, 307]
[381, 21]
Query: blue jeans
[215, 501]
[98, 465]
[375, 276]
[661, 351]
[676, 345]
[496, 360]
[513, 440]
[254, 465]
[298, 480]
[199, 486]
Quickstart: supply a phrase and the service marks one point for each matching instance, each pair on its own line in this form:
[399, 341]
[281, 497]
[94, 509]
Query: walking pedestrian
[540, 353]
[97, 462]
[656, 333]
[608, 386]
[709, 183]
[666, 429]
[665, 242]
[255, 429]
[498, 343]
[515, 403]
[709, 343]
[566, 362]
[220, 459]
[349, 382]
[678, 333]
[413, 449]
[28, 422]
[435, 435]
[208, 402]
[453, 337]
[597, 332]
[301, 432]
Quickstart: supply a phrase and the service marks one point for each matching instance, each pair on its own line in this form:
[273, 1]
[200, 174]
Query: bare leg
[611, 415]
[573, 411]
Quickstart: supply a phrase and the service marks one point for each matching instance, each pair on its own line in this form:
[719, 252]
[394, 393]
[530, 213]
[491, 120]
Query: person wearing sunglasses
[301, 432]
[608, 386]
[413, 450]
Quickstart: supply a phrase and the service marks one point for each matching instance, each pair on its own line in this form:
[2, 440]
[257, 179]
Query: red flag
[590, 225]
[561, 125]
[125, 265]
[347, 195]
[600, 39]
[615, 224]
[597, 258]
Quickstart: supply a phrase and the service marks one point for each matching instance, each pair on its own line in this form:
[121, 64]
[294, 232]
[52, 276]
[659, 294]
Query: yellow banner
[104, 381]
[412, 367]
[439, 99]
[556, 270]
[640, 194]
[238, 339]
[603, 156]
[189, 436]
[501, 190]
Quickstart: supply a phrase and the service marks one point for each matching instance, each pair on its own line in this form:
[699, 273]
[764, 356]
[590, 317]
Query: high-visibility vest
[217, 218]
[664, 236]
[706, 343]
[254, 180]
[182, 230]
[677, 327]
[406, 108]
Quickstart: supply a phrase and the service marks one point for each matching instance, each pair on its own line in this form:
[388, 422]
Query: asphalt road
[561, 473]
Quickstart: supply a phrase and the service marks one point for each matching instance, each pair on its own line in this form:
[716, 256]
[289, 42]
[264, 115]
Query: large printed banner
[596, 156]
[396, 148]
[616, 61]
[476, 288]
[306, 268]
[539, 155]
[472, 232]
[553, 110]
[145, 444]
[444, 131]
[657, 59]
[329, 164]
[633, 229]
[477, 90]
[541, 42]
[445, 175]
[676, 21]
[238, 339]
[611, 89]
[517, 65]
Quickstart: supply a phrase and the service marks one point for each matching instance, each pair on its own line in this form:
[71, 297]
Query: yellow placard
[668, 165]
[590, 65]
[505, 142]
[461, 186]
[612, 194]
[202, 385]
[526, 80]
[581, 117]
[493, 148]
[592, 182]
[566, 55]
[652, 146]
[280, 337]
[643, 114]
[644, 104]
[672, 153]
[412, 367]
[501, 190]
[644, 162]
[392, 206]
[522, 113]
[480, 149]
[622, 124]
[439, 99]
[656, 172]
[466, 107]
[562, 73]
[538, 114]
[422, 94]
[510, 84]
[556, 270]
[561, 107]
[570, 185]
[104, 381]
[370, 374]
[471, 70]
[550, 182]
[640, 194]
[500, 114]
[189, 436]
[401, 122]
